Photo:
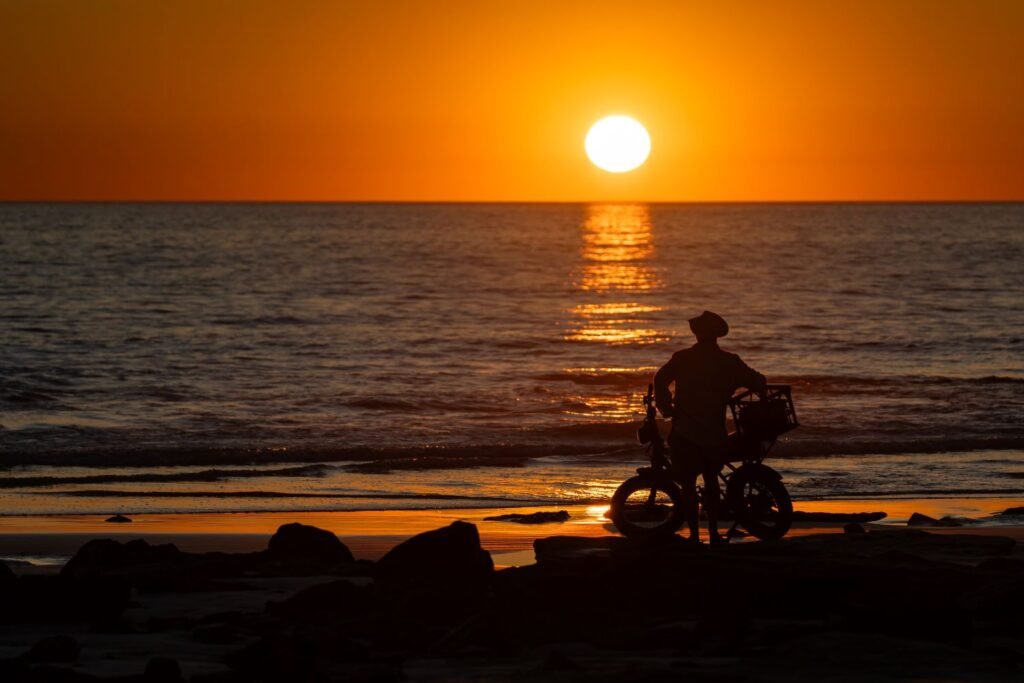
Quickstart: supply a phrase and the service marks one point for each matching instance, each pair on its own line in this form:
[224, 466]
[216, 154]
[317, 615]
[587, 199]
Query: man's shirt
[705, 379]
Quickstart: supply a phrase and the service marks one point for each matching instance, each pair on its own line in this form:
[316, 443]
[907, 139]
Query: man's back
[706, 378]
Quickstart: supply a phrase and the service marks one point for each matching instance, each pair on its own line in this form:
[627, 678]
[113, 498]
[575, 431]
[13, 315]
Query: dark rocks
[295, 550]
[917, 519]
[557, 661]
[54, 650]
[854, 528]
[276, 658]
[63, 598]
[1013, 512]
[450, 556]
[573, 552]
[299, 542]
[861, 517]
[434, 579]
[6, 574]
[324, 604]
[534, 518]
[118, 519]
[106, 557]
[162, 670]
[1004, 564]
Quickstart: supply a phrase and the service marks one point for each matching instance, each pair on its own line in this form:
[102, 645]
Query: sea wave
[211, 475]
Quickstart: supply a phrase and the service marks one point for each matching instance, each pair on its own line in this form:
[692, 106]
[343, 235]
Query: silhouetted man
[705, 379]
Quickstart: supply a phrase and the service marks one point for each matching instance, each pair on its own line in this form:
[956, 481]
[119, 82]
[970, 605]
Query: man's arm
[662, 395]
[748, 377]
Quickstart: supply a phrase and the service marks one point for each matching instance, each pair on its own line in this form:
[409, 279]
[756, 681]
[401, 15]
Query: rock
[46, 673]
[118, 519]
[275, 658]
[105, 556]
[917, 519]
[862, 517]
[439, 574]
[534, 518]
[323, 604]
[1013, 512]
[951, 520]
[854, 528]
[556, 661]
[62, 598]
[54, 650]
[448, 555]
[1003, 564]
[6, 574]
[213, 634]
[162, 670]
[300, 542]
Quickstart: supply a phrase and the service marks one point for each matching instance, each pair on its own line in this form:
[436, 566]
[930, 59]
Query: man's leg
[688, 485]
[685, 470]
[712, 494]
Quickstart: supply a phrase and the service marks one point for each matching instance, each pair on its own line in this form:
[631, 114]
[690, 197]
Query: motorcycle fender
[758, 470]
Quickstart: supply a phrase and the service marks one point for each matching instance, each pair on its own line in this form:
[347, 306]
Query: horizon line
[513, 201]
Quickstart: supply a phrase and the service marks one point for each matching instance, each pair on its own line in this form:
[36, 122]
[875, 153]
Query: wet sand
[45, 540]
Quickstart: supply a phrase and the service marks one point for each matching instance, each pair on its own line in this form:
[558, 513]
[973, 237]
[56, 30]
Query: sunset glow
[339, 101]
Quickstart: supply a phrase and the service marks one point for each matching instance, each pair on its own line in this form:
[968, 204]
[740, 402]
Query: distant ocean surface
[177, 357]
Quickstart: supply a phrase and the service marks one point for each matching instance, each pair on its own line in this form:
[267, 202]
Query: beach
[192, 608]
[370, 533]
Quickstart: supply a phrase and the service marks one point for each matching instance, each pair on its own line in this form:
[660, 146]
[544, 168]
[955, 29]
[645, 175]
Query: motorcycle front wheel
[647, 509]
[760, 501]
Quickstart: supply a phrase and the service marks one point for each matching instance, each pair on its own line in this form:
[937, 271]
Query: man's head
[709, 326]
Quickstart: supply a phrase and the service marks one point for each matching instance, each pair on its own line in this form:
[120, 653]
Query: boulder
[118, 519]
[5, 573]
[799, 516]
[105, 556]
[1004, 564]
[162, 670]
[917, 519]
[63, 598]
[444, 558]
[276, 658]
[302, 543]
[534, 518]
[325, 603]
[1013, 512]
[54, 650]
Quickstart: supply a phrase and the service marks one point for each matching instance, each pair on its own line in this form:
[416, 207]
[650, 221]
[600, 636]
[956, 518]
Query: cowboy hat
[709, 324]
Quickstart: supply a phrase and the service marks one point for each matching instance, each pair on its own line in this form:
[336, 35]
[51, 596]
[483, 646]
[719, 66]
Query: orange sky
[478, 100]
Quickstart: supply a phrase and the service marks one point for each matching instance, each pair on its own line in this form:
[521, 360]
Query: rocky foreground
[884, 605]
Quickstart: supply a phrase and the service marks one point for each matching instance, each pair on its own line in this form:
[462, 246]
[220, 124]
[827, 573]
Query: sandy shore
[827, 602]
[46, 540]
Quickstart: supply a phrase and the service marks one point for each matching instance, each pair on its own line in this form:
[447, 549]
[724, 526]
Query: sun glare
[618, 144]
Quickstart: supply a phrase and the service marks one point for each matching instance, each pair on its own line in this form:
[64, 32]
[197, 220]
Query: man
[705, 378]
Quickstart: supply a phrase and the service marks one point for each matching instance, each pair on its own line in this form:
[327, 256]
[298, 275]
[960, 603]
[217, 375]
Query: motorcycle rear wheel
[760, 501]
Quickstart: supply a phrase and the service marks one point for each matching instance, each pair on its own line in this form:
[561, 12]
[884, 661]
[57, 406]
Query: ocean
[230, 357]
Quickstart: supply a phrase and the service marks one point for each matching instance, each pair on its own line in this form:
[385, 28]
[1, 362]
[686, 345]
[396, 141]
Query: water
[188, 337]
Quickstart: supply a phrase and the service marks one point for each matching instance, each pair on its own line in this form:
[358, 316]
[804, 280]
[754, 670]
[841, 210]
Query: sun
[618, 144]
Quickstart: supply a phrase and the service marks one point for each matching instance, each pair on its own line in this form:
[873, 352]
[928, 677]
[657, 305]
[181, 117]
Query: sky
[473, 100]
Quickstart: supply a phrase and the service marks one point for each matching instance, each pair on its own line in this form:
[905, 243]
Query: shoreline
[47, 540]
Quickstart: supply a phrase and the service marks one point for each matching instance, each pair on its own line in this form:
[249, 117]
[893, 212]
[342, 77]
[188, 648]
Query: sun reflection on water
[616, 275]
